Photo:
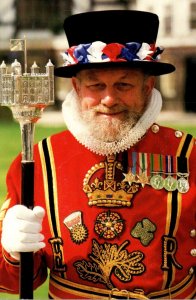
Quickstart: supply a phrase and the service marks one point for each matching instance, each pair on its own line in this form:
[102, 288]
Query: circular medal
[183, 185]
[157, 182]
[170, 183]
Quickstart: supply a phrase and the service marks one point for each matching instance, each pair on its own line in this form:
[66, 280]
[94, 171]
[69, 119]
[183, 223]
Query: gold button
[193, 252]
[178, 133]
[155, 128]
[193, 233]
[191, 271]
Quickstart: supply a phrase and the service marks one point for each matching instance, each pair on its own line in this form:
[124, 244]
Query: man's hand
[21, 230]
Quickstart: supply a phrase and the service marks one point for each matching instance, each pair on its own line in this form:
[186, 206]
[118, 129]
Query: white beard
[108, 130]
[97, 138]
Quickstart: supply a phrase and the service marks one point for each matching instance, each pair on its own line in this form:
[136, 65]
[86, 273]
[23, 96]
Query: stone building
[40, 21]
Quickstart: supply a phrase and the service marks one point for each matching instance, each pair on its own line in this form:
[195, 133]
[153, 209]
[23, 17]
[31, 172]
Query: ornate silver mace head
[27, 94]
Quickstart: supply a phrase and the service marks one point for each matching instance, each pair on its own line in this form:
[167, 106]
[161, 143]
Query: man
[117, 189]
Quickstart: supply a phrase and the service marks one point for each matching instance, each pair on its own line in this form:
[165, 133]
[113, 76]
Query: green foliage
[10, 146]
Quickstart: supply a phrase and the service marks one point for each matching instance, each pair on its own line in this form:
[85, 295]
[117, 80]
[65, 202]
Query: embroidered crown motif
[108, 188]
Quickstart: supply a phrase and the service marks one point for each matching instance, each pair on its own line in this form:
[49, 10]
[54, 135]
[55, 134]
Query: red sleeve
[9, 267]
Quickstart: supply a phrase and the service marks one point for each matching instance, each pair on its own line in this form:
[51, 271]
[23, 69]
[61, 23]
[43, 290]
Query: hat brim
[150, 67]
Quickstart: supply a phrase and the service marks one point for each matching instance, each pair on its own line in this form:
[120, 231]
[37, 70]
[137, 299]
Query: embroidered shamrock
[144, 231]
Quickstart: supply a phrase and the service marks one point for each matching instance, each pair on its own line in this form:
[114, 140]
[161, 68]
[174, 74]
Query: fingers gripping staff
[22, 230]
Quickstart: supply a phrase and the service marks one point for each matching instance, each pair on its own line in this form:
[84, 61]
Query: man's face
[112, 99]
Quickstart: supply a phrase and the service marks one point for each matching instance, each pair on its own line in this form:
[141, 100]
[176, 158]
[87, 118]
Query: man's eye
[96, 86]
[124, 86]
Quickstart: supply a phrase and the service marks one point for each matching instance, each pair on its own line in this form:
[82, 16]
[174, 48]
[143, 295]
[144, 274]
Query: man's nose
[109, 98]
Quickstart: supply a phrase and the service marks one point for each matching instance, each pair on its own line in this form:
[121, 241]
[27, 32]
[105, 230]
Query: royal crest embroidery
[110, 259]
[57, 249]
[109, 224]
[169, 246]
[78, 231]
[104, 185]
[144, 231]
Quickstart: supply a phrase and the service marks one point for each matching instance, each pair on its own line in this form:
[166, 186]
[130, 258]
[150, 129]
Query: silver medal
[183, 185]
[170, 183]
[157, 182]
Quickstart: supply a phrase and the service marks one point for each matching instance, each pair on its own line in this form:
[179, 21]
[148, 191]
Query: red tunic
[108, 233]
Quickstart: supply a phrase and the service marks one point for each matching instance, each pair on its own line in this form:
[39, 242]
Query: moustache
[109, 110]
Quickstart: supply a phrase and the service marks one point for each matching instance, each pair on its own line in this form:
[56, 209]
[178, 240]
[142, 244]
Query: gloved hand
[21, 230]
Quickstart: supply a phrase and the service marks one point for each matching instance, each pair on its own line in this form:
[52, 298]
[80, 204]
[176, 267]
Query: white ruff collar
[80, 132]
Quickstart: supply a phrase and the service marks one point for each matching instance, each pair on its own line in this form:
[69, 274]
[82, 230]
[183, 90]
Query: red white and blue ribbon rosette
[114, 52]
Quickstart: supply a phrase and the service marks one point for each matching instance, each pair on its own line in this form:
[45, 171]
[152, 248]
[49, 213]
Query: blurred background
[41, 22]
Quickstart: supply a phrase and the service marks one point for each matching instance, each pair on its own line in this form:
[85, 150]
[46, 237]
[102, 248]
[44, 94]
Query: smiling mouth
[107, 113]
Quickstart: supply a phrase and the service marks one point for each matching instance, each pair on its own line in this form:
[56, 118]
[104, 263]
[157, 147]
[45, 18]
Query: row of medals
[169, 182]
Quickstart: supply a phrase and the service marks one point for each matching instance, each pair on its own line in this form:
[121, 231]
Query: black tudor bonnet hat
[112, 38]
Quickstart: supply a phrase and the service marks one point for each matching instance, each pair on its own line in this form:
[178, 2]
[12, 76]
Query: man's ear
[75, 83]
[150, 84]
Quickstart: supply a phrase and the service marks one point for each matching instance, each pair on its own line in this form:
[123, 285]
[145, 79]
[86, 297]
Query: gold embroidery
[79, 233]
[108, 259]
[109, 224]
[111, 191]
[57, 247]
[144, 231]
[169, 251]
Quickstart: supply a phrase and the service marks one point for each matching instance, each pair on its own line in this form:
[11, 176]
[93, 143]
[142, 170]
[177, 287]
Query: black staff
[27, 95]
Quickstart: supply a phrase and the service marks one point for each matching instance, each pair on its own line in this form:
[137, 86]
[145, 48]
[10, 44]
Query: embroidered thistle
[108, 259]
[78, 231]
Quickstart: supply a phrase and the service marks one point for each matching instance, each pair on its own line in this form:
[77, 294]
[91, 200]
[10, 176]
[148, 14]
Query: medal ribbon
[170, 165]
[153, 163]
[134, 162]
[156, 163]
[143, 163]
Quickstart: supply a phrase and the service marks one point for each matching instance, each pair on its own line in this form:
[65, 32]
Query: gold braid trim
[89, 292]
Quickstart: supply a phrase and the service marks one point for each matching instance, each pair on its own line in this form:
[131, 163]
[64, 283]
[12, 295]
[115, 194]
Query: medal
[156, 166]
[143, 179]
[182, 185]
[157, 182]
[170, 183]
[129, 177]
[143, 174]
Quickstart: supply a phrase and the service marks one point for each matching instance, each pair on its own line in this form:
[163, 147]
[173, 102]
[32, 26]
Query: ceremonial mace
[27, 94]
